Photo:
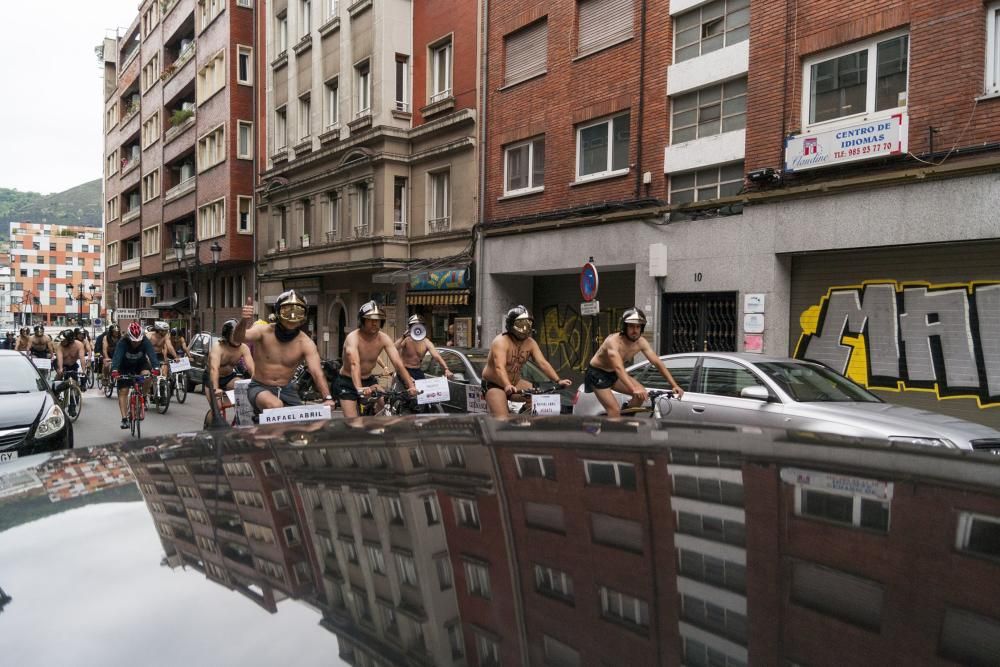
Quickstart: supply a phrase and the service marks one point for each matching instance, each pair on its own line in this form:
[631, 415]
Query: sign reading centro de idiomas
[864, 141]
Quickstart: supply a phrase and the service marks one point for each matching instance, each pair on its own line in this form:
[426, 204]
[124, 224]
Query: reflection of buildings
[82, 472]
[230, 517]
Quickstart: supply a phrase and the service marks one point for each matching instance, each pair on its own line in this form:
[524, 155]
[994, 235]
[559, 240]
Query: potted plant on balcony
[180, 116]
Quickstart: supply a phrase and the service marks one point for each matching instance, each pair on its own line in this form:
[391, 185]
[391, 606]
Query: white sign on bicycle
[298, 413]
[180, 365]
[42, 364]
[474, 401]
[433, 390]
[546, 404]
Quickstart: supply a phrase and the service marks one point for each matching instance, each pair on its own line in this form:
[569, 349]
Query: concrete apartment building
[179, 162]
[768, 174]
[52, 272]
[367, 185]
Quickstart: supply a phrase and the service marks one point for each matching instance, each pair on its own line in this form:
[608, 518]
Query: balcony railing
[400, 228]
[362, 231]
[183, 57]
[128, 165]
[131, 215]
[439, 224]
[181, 188]
[281, 244]
[178, 128]
[331, 236]
[130, 265]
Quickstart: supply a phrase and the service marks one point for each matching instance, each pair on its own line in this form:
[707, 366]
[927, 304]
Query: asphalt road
[99, 421]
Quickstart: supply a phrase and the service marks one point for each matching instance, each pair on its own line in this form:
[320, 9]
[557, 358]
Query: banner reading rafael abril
[847, 143]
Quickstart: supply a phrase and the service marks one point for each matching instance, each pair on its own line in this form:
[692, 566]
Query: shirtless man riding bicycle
[223, 362]
[606, 371]
[508, 353]
[412, 351]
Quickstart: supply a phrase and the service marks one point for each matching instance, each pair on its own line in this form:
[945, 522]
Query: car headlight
[923, 442]
[53, 422]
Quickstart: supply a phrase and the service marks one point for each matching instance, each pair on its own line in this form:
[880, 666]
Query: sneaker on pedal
[124, 423]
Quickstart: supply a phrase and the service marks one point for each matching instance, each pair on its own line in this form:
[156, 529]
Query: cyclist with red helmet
[134, 355]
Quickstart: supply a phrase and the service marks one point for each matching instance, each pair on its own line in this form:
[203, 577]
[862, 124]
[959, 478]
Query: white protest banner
[231, 395]
[546, 404]
[474, 401]
[180, 365]
[433, 390]
[297, 413]
[244, 411]
[42, 364]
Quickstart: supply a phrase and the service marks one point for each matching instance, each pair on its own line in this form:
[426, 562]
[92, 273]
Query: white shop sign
[126, 314]
[432, 390]
[865, 141]
[298, 413]
[859, 486]
[149, 314]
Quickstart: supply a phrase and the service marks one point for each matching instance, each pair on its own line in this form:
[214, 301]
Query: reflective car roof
[438, 539]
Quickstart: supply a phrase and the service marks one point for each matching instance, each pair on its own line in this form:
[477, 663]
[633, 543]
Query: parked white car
[778, 392]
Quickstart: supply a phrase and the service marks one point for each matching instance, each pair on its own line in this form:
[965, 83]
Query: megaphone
[418, 332]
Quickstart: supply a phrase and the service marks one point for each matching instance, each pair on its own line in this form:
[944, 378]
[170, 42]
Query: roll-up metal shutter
[604, 22]
[543, 515]
[970, 269]
[526, 52]
[621, 533]
[970, 638]
[838, 594]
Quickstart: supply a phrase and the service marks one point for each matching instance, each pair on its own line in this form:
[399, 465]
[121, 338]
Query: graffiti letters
[569, 339]
[900, 336]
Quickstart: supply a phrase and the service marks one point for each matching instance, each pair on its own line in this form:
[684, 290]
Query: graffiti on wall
[568, 339]
[910, 336]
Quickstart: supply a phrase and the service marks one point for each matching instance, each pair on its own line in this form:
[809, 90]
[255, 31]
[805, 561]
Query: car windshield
[18, 376]
[806, 383]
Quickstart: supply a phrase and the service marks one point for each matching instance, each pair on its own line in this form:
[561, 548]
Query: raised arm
[244, 333]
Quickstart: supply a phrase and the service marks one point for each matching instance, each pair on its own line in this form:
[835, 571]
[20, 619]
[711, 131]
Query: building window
[151, 130]
[211, 77]
[112, 254]
[305, 112]
[208, 10]
[331, 98]
[305, 18]
[838, 594]
[709, 489]
[845, 508]
[525, 52]
[151, 186]
[376, 558]
[602, 147]
[545, 516]
[365, 506]
[407, 569]
[709, 111]
[712, 570]
[402, 83]
[244, 65]
[438, 201]
[993, 49]
[396, 511]
[363, 85]
[291, 535]
[111, 209]
[708, 615]
[430, 509]
[212, 148]
[281, 33]
[610, 473]
[151, 241]
[621, 607]
[399, 206]
[712, 528]
[549, 581]
[350, 551]
[477, 579]
[524, 167]
[488, 651]
[280, 496]
[968, 638]
[452, 456]
[467, 512]
[244, 139]
[329, 9]
[443, 567]
[603, 23]
[363, 216]
[331, 203]
[978, 534]
[839, 84]
[534, 465]
[150, 18]
[710, 28]
[212, 219]
[440, 62]
[245, 221]
[559, 654]
[151, 72]
[111, 164]
[706, 184]
[616, 532]
[280, 128]
[455, 639]
[111, 117]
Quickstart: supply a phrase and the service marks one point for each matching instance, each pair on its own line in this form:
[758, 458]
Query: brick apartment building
[52, 271]
[367, 188]
[820, 162]
[179, 161]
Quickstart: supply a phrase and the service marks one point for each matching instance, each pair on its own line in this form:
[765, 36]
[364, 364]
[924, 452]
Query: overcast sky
[51, 119]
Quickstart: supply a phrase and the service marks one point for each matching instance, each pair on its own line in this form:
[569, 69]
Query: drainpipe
[254, 180]
[642, 96]
[481, 123]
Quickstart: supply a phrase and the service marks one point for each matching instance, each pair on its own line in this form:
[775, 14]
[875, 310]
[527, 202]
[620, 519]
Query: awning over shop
[183, 303]
[458, 297]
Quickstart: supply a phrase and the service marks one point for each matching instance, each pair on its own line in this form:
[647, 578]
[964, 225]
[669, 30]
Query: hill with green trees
[80, 205]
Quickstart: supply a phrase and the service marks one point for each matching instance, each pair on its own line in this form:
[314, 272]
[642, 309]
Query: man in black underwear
[224, 364]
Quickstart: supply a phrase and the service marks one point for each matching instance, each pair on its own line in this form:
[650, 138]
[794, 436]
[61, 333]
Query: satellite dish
[418, 332]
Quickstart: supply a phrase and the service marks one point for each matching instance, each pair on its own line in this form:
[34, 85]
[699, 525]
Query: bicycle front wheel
[180, 388]
[74, 402]
[162, 396]
[109, 387]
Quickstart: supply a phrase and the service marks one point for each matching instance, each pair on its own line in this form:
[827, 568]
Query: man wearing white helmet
[160, 338]
[412, 351]
[508, 353]
[606, 371]
[361, 350]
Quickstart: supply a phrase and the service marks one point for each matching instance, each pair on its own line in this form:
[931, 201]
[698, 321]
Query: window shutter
[526, 52]
[604, 22]
[621, 533]
[541, 515]
[970, 638]
[837, 593]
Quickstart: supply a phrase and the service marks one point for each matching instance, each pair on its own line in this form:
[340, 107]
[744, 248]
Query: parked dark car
[198, 349]
[31, 421]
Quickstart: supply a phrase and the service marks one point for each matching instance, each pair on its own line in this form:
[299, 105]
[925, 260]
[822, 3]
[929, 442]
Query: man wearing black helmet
[362, 348]
[108, 344]
[277, 350]
[606, 371]
[23, 343]
[179, 342]
[508, 353]
[40, 345]
[224, 362]
[70, 356]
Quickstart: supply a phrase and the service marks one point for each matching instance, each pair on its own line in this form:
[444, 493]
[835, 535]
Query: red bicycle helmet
[135, 333]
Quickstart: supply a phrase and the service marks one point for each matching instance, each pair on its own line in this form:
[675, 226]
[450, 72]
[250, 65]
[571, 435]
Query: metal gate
[699, 322]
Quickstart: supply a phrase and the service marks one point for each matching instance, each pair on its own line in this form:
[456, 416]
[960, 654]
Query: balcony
[131, 215]
[178, 128]
[174, 67]
[362, 231]
[180, 189]
[435, 225]
[130, 265]
[400, 228]
[128, 165]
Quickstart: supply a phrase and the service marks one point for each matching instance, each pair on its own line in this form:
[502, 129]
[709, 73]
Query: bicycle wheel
[90, 377]
[133, 412]
[99, 379]
[74, 401]
[180, 387]
[162, 396]
[109, 387]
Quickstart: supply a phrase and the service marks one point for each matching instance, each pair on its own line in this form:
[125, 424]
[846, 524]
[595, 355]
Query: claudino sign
[910, 336]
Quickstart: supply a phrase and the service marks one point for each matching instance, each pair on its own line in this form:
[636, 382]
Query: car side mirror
[755, 392]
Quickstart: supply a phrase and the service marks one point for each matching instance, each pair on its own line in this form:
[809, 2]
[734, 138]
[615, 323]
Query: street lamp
[216, 252]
